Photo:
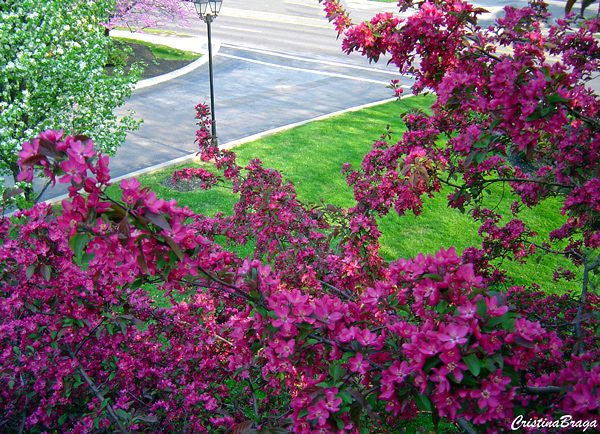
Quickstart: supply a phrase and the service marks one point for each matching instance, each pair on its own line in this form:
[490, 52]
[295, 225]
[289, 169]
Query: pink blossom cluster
[86, 328]
[513, 103]
[195, 177]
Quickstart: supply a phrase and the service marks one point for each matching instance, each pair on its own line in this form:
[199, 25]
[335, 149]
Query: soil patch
[153, 66]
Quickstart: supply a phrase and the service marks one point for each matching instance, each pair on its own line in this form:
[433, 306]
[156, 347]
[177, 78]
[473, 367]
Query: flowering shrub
[125, 314]
[193, 178]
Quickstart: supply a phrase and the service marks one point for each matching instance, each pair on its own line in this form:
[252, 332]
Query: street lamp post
[207, 11]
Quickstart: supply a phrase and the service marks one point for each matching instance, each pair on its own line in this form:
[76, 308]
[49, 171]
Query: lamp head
[204, 8]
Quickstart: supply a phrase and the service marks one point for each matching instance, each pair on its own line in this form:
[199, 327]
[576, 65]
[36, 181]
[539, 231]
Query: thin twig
[343, 294]
[235, 289]
[254, 402]
[42, 192]
[97, 392]
[559, 252]
[464, 425]
[22, 425]
[587, 267]
[84, 340]
[545, 390]
[534, 181]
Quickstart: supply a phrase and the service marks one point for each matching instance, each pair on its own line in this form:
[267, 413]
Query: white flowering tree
[53, 55]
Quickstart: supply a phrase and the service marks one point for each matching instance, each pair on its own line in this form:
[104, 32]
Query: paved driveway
[255, 91]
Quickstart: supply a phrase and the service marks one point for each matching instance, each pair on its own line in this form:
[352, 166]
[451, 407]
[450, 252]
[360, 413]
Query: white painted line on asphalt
[238, 142]
[310, 60]
[313, 71]
[241, 29]
[306, 5]
[272, 17]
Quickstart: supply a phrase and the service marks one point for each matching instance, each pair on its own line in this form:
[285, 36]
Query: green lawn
[162, 51]
[311, 157]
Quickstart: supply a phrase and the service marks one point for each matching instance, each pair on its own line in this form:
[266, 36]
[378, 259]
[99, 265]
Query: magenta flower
[487, 395]
[284, 348]
[318, 412]
[283, 317]
[332, 403]
[358, 364]
[467, 311]
[326, 311]
[492, 307]
[450, 356]
[74, 170]
[455, 369]
[452, 335]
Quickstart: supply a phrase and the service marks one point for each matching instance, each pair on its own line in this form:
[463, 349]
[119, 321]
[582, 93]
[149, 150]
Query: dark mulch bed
[180, 185]
[153, 66]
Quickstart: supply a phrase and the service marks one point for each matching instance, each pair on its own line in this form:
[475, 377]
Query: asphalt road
[299, 26]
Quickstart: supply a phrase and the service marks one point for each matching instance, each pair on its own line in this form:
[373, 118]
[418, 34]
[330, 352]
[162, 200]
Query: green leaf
[346, 397]
[537, 114]
[556, 98]
[509, 321]
[45, 272]
[336, 371]
[423, 402]
[340, 423]
[498, 360]
[481, 308]
[122, 413]
[78, 242]
[431, 363]
[432, 276]
[489, 364]
[30, 271]
[479, 157]
[493, 322]
[473, 363]
[62, 419]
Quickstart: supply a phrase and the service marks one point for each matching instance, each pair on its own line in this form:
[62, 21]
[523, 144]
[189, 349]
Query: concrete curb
[177, 73]
[177, 42]
[235, 143]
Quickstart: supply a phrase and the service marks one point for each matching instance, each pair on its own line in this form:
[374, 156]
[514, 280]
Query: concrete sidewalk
[195, 44]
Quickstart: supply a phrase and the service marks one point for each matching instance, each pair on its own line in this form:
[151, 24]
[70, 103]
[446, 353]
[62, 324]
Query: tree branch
[97, 392]
[546, 390]
[464, 425]
[587, 267]
[41, 193]
[534, 181]
[254, 402]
